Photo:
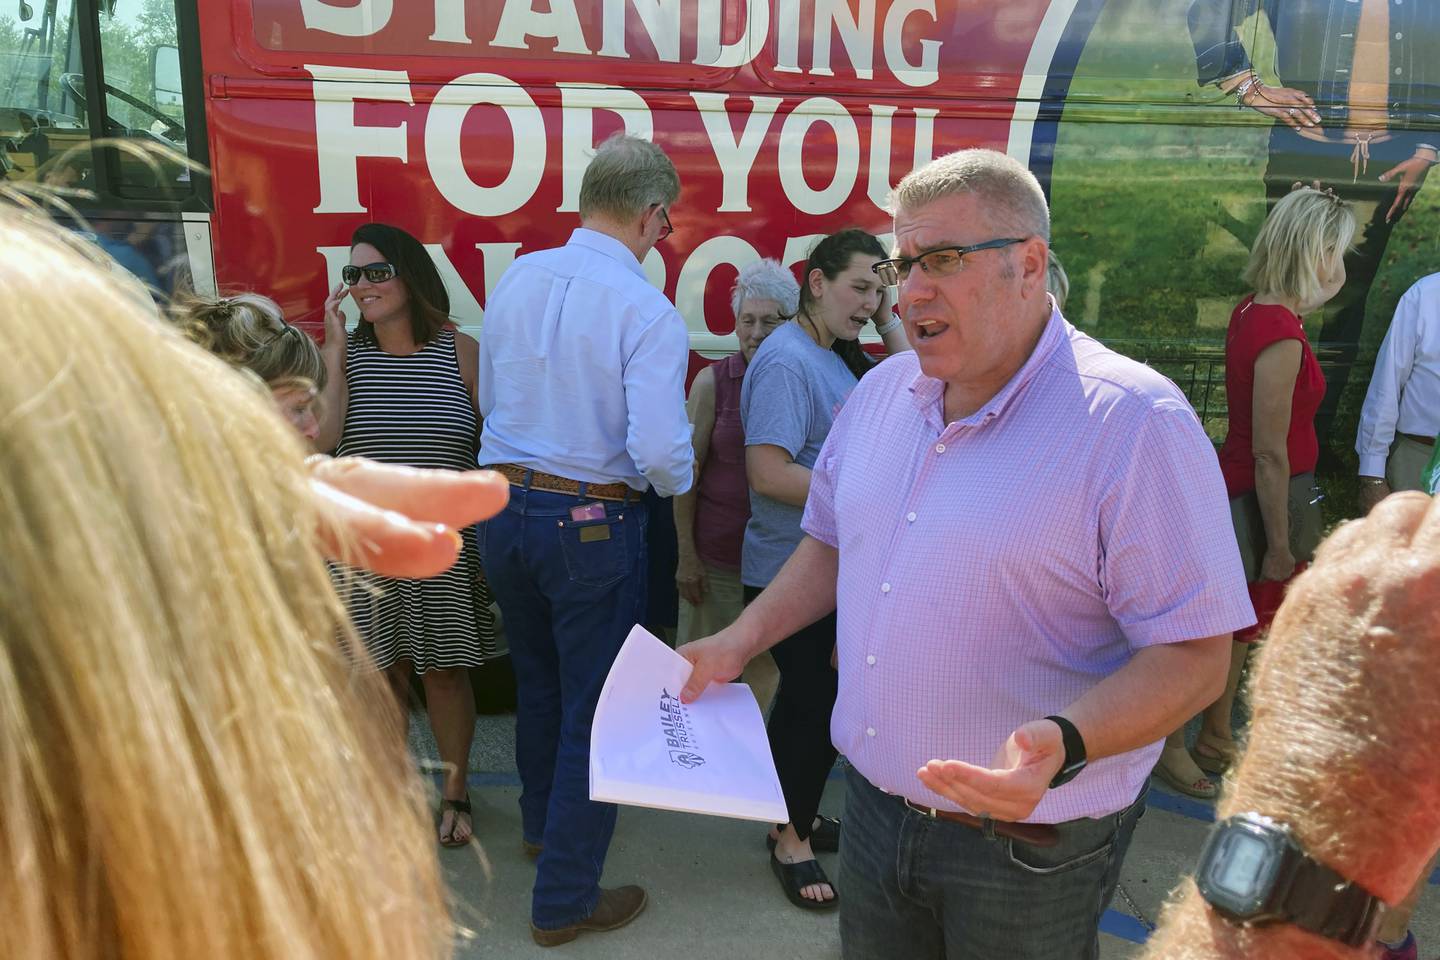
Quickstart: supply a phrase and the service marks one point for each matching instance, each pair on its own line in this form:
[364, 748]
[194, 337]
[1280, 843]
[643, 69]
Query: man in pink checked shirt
[1027, 539]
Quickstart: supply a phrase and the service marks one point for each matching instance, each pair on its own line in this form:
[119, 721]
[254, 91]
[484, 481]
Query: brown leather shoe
[616, 908]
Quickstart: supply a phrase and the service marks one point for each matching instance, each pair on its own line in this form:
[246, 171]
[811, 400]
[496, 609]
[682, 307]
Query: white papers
[648, 749]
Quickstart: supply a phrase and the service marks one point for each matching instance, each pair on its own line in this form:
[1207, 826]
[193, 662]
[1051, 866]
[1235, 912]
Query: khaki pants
[1406, 462]
[724, 599]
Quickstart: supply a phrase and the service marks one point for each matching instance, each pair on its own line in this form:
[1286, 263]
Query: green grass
[1156, 195]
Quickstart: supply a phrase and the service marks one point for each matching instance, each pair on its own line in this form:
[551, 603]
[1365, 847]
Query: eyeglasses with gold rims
[940, 262]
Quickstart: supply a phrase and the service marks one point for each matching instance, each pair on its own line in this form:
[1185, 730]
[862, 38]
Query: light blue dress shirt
[582, 370]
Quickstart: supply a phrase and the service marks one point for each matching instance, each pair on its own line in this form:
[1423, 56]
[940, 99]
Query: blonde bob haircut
[249, 330]
[1302, 241]
[189, 765]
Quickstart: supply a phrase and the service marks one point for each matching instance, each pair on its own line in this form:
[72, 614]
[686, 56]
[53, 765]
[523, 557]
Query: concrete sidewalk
[712, 895]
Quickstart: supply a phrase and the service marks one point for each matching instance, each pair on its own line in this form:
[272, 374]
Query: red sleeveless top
[722, 500]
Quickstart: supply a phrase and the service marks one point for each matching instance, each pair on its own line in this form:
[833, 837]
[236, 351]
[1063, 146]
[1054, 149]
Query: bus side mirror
[165, 77]
[26, 11]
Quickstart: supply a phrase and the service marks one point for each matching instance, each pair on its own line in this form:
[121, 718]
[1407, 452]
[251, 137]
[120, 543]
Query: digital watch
[1253, 871]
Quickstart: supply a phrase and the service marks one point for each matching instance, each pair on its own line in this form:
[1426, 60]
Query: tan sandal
[1215, 754]
[1201, 787]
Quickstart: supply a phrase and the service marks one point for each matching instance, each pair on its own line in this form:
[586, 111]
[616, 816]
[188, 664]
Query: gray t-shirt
[793, 391]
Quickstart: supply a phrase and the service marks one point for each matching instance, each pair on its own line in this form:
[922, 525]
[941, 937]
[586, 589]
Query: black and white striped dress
[415, 411]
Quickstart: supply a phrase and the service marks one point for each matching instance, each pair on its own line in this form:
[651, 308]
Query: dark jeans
[799, 724]
[569, 600]
[927, 889]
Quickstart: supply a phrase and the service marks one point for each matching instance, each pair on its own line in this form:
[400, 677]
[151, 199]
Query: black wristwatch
[1074, 752]
[1253, 871]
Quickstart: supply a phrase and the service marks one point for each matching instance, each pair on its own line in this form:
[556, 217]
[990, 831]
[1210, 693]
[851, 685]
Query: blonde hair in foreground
[1305, 237]
[189, 766]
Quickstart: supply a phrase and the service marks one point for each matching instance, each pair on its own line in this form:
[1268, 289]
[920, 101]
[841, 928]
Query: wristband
[888, 327]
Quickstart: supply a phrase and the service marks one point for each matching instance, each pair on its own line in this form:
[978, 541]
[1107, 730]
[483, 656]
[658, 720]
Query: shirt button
[940, 447]
[869, 731]
[870, 659]
[910, 516]
[1399, 70]
[1399, 36]
[884, 588]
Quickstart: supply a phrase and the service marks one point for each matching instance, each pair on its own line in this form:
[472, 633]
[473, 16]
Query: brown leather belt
[1035, 834]
[1413, 438]
[548, 482]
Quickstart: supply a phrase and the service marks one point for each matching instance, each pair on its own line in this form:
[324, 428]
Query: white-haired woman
[710, 519]
[1274, 386]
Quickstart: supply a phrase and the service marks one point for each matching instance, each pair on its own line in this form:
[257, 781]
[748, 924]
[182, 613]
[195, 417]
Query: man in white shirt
[1401, 415]
[582, 389]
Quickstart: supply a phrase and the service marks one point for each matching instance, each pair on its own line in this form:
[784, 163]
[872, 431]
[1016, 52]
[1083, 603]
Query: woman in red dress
[1274, 386]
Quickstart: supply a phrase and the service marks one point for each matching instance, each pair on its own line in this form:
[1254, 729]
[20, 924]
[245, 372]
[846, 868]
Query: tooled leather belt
[550, 483]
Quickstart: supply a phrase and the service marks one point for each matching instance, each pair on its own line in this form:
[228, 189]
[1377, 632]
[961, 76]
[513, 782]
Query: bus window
[39, 121]
[143, 101]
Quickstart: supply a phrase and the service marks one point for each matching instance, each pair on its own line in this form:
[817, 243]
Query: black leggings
[799, 725]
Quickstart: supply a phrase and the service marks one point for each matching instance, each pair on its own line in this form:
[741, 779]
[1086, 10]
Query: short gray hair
[1010, 192]
[627, 177]
[766, 280]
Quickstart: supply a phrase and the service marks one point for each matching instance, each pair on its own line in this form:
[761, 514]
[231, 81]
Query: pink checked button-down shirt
[993, 570]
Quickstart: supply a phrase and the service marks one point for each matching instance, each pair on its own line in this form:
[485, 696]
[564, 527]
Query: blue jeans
[570, 593]
[927, 889]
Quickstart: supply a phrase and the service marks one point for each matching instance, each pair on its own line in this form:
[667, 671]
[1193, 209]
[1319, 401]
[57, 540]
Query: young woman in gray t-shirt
[792, 391]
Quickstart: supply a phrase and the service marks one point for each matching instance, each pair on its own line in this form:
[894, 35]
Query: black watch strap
[1074, 752]
[1324, 902]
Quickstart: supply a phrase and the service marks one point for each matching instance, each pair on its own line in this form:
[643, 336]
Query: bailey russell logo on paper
[675, 727]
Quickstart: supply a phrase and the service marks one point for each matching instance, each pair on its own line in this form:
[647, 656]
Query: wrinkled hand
[690, 578]
[400, 521]
[1290, 106]
[1277, 564]
[715, 659]
[334, 319]
[1017, 780]
[1411, 174]
[1371, 494]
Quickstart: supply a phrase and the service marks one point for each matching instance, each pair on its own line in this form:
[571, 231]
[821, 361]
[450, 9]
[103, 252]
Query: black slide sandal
[795, 877]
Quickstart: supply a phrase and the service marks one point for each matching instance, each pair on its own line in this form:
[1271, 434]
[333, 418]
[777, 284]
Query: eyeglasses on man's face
[374, 272]
[940, 262]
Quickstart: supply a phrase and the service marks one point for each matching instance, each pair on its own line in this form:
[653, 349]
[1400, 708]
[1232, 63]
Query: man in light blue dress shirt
[582, 389]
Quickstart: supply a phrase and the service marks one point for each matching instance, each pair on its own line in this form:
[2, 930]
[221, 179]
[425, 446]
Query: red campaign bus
[469, 123]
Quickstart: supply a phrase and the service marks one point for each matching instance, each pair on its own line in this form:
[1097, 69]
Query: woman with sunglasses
[402, 391]
[249, 331]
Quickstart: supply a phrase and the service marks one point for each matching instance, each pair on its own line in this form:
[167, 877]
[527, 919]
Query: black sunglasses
[374, 272]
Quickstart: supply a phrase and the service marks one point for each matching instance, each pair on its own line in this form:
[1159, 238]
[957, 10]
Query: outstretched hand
[400, 521]
[1016, 781]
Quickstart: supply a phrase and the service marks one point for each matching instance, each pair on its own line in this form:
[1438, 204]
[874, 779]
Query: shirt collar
[928, 393]
[608, 246]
